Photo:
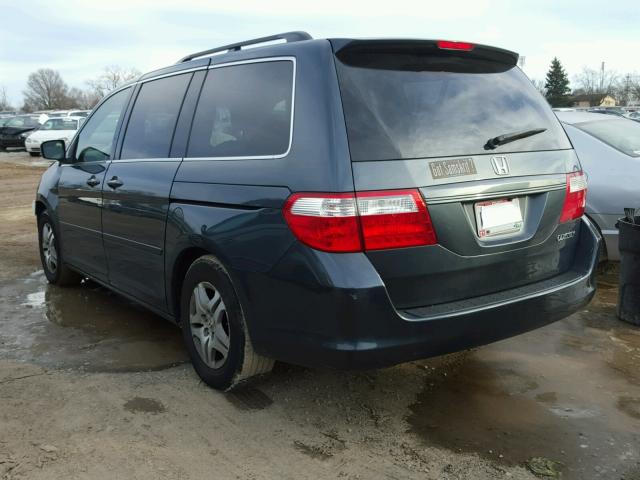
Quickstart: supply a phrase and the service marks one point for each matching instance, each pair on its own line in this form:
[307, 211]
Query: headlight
[25, 134]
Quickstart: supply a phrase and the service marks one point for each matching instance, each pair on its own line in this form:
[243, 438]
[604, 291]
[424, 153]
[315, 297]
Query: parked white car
[78, 113]
[62, 128]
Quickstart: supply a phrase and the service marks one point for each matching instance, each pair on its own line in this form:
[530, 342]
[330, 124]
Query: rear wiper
[494, 142]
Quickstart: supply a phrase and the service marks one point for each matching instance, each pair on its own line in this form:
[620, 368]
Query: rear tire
[54, 267]
[214, 329]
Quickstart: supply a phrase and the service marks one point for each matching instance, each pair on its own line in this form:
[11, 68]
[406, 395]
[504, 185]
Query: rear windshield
[623, 134]
[401, 106]
[22, 122]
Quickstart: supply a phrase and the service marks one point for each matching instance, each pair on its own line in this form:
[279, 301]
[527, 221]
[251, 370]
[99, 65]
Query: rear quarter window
[244, 111]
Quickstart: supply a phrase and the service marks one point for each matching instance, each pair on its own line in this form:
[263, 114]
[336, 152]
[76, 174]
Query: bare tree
[111, 78]
[539, 84]
[84, 99]
[4, 99]
[592, 81]
[45, 91]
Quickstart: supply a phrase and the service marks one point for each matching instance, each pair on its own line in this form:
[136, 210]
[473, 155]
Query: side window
[153, 118]
[95, 141]
[244, 110]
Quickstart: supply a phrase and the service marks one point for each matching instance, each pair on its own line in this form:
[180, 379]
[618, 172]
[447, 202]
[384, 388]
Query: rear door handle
[92, 181]
[115, 182]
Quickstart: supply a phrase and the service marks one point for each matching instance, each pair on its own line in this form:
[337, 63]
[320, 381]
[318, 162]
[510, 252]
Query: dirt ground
[94, 387]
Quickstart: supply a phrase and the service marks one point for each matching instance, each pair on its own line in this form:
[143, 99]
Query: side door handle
[93, 181]
[114, 182]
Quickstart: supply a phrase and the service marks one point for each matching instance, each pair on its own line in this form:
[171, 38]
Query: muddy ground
[92, 386]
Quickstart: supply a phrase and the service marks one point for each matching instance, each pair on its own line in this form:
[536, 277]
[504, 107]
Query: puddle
[85, 327]
[569, 392]
[144, 405]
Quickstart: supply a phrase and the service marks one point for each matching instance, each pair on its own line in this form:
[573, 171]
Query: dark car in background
[330, 203]
[16, 129]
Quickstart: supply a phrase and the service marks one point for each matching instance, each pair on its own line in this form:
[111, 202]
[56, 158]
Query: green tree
[557, 85]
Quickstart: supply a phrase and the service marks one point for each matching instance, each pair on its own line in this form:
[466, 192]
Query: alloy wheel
[209, 325]
[49, 251]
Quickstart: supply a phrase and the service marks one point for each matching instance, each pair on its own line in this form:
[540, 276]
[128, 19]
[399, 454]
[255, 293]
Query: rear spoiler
[440, 48]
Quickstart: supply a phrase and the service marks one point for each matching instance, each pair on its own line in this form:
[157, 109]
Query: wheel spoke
[211, 305]
[208, 351]
[201, 299]
[218, 313]
[221, 341]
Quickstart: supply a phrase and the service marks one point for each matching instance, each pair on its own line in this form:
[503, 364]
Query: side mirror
[53, 150]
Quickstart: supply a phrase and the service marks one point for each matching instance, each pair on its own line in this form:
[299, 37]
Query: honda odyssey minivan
[334, 203]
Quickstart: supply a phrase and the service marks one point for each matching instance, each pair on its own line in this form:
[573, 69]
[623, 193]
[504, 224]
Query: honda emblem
[500, 165]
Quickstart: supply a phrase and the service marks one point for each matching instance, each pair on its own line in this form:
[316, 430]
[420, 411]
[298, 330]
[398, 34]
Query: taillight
[324, 221]
[449, 45]
[342, 222]
[575, 198]
[394, 219]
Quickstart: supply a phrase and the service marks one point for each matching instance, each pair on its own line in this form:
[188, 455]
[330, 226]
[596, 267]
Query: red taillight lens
[575, 198]
[394, 219]
[324, 221]
[449, 45]
[369, 221]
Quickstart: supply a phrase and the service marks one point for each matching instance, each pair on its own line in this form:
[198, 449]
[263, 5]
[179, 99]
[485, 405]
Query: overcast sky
[80, 37]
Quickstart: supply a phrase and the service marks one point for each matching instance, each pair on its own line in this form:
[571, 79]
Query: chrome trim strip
[81, 228]
[171, 74]
[610, 232]
[492, 188]
[293, 103]
[141, 160]
[128, 241]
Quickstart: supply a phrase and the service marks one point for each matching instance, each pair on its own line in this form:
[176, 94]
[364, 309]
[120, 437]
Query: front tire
[214, 328]
[55, 269]
[34, 154]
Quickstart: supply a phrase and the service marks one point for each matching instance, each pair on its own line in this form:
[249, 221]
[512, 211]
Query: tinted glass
[95, 141]
[623, 135]
[400, 106]
[23, 122]
[244, 110]
[59, 124]
[153, 118]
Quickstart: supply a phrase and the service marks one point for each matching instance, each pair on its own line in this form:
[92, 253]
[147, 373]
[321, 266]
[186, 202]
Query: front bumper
[323, 321]
[31, 146]
[11, 142]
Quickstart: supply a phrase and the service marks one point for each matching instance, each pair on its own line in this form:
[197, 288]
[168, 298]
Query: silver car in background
[609, 149]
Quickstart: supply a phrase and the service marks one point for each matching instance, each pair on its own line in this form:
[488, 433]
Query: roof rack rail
[287, 36]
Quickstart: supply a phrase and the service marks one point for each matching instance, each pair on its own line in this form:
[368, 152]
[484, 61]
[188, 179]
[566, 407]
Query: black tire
[241, 361]
[60, 275]
[34, 154]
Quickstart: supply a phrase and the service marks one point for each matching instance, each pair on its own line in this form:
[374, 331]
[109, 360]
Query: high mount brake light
[451, 45]
[575, 199]
[339, 222]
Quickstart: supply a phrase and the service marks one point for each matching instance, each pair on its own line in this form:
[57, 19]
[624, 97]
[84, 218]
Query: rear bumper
[342, 316]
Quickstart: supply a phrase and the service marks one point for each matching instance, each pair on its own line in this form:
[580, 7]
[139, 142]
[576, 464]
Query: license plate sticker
[498, 217]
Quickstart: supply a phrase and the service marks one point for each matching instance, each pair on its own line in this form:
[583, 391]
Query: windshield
[412, 105]
[60, 124]
[622, 134]
[22, 122]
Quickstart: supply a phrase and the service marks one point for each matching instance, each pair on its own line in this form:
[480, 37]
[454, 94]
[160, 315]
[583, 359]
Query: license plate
[498, 217]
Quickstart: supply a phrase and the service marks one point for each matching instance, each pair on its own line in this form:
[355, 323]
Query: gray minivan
[331, 203]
